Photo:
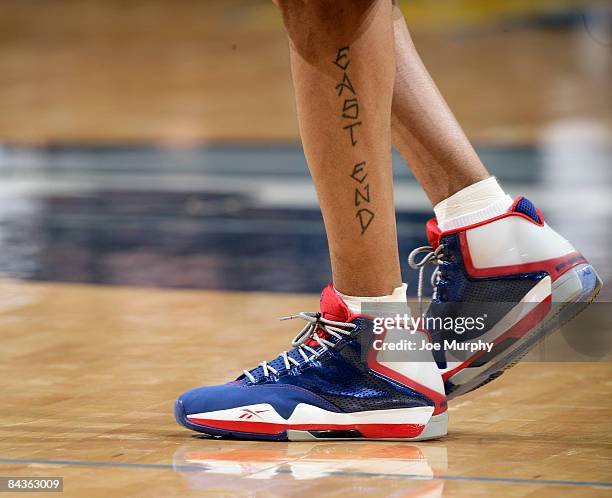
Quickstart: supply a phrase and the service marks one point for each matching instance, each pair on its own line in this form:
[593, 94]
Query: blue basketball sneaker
[324, 388]
[516, 275]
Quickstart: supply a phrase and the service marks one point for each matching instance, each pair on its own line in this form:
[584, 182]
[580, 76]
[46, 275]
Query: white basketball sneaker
[513, 278]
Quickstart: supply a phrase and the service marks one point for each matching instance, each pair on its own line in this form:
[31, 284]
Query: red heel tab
[433, 232]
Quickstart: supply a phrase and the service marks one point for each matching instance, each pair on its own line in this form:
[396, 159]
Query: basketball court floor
[156, 217]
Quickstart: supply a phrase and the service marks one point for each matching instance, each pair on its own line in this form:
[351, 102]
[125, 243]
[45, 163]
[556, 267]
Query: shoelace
[434, 257]
[310, 331]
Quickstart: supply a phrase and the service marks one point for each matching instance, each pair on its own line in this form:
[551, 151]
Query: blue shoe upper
[338, 379]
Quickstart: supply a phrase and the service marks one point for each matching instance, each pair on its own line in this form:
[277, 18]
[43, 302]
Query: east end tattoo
[351, 123]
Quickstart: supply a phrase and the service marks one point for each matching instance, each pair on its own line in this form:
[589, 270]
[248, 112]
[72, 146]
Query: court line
[506, 480]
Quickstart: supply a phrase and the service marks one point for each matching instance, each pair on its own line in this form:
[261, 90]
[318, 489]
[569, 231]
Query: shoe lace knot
[432, 256]
[315, 324]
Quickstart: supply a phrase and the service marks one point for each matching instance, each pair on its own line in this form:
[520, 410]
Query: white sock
[354, 302]
[477, 202]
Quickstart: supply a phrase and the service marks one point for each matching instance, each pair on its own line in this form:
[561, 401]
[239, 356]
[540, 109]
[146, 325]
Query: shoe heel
[437, 427]
[571, 294]
[581, 284]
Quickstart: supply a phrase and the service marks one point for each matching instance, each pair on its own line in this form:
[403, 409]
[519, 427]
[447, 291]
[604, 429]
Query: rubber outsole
[436, 427]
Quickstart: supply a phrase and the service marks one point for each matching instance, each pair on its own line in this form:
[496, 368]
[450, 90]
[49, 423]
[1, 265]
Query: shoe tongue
[332, 306]
[433, 232]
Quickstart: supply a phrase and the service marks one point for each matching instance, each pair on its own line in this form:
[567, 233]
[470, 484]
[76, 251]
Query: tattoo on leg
[359, 174]
[345, 84]
[342, 58]
[350, 109]
[350, 113]
[362, 195]
[350, 127]
[365, 218]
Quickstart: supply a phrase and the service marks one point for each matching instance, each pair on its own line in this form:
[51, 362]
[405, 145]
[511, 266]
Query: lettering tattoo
[363, 213]
[345, 84]
[350, 109]
[351, 123]
[342, 58]
[359, 173]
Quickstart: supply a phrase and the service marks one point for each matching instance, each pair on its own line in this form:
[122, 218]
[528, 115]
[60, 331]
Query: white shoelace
[310, 331]
[434, 257]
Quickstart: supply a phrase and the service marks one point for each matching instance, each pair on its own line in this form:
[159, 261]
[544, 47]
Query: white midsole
[309, 414]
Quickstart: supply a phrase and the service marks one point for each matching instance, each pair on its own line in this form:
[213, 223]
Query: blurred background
[155, 143]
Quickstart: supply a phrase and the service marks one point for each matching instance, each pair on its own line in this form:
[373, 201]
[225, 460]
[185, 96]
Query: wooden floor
[157, 71]
[88, 375]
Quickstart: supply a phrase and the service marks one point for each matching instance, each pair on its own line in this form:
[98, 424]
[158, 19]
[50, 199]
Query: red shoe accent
[433, 232]
[367, 430]
[332, 307]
